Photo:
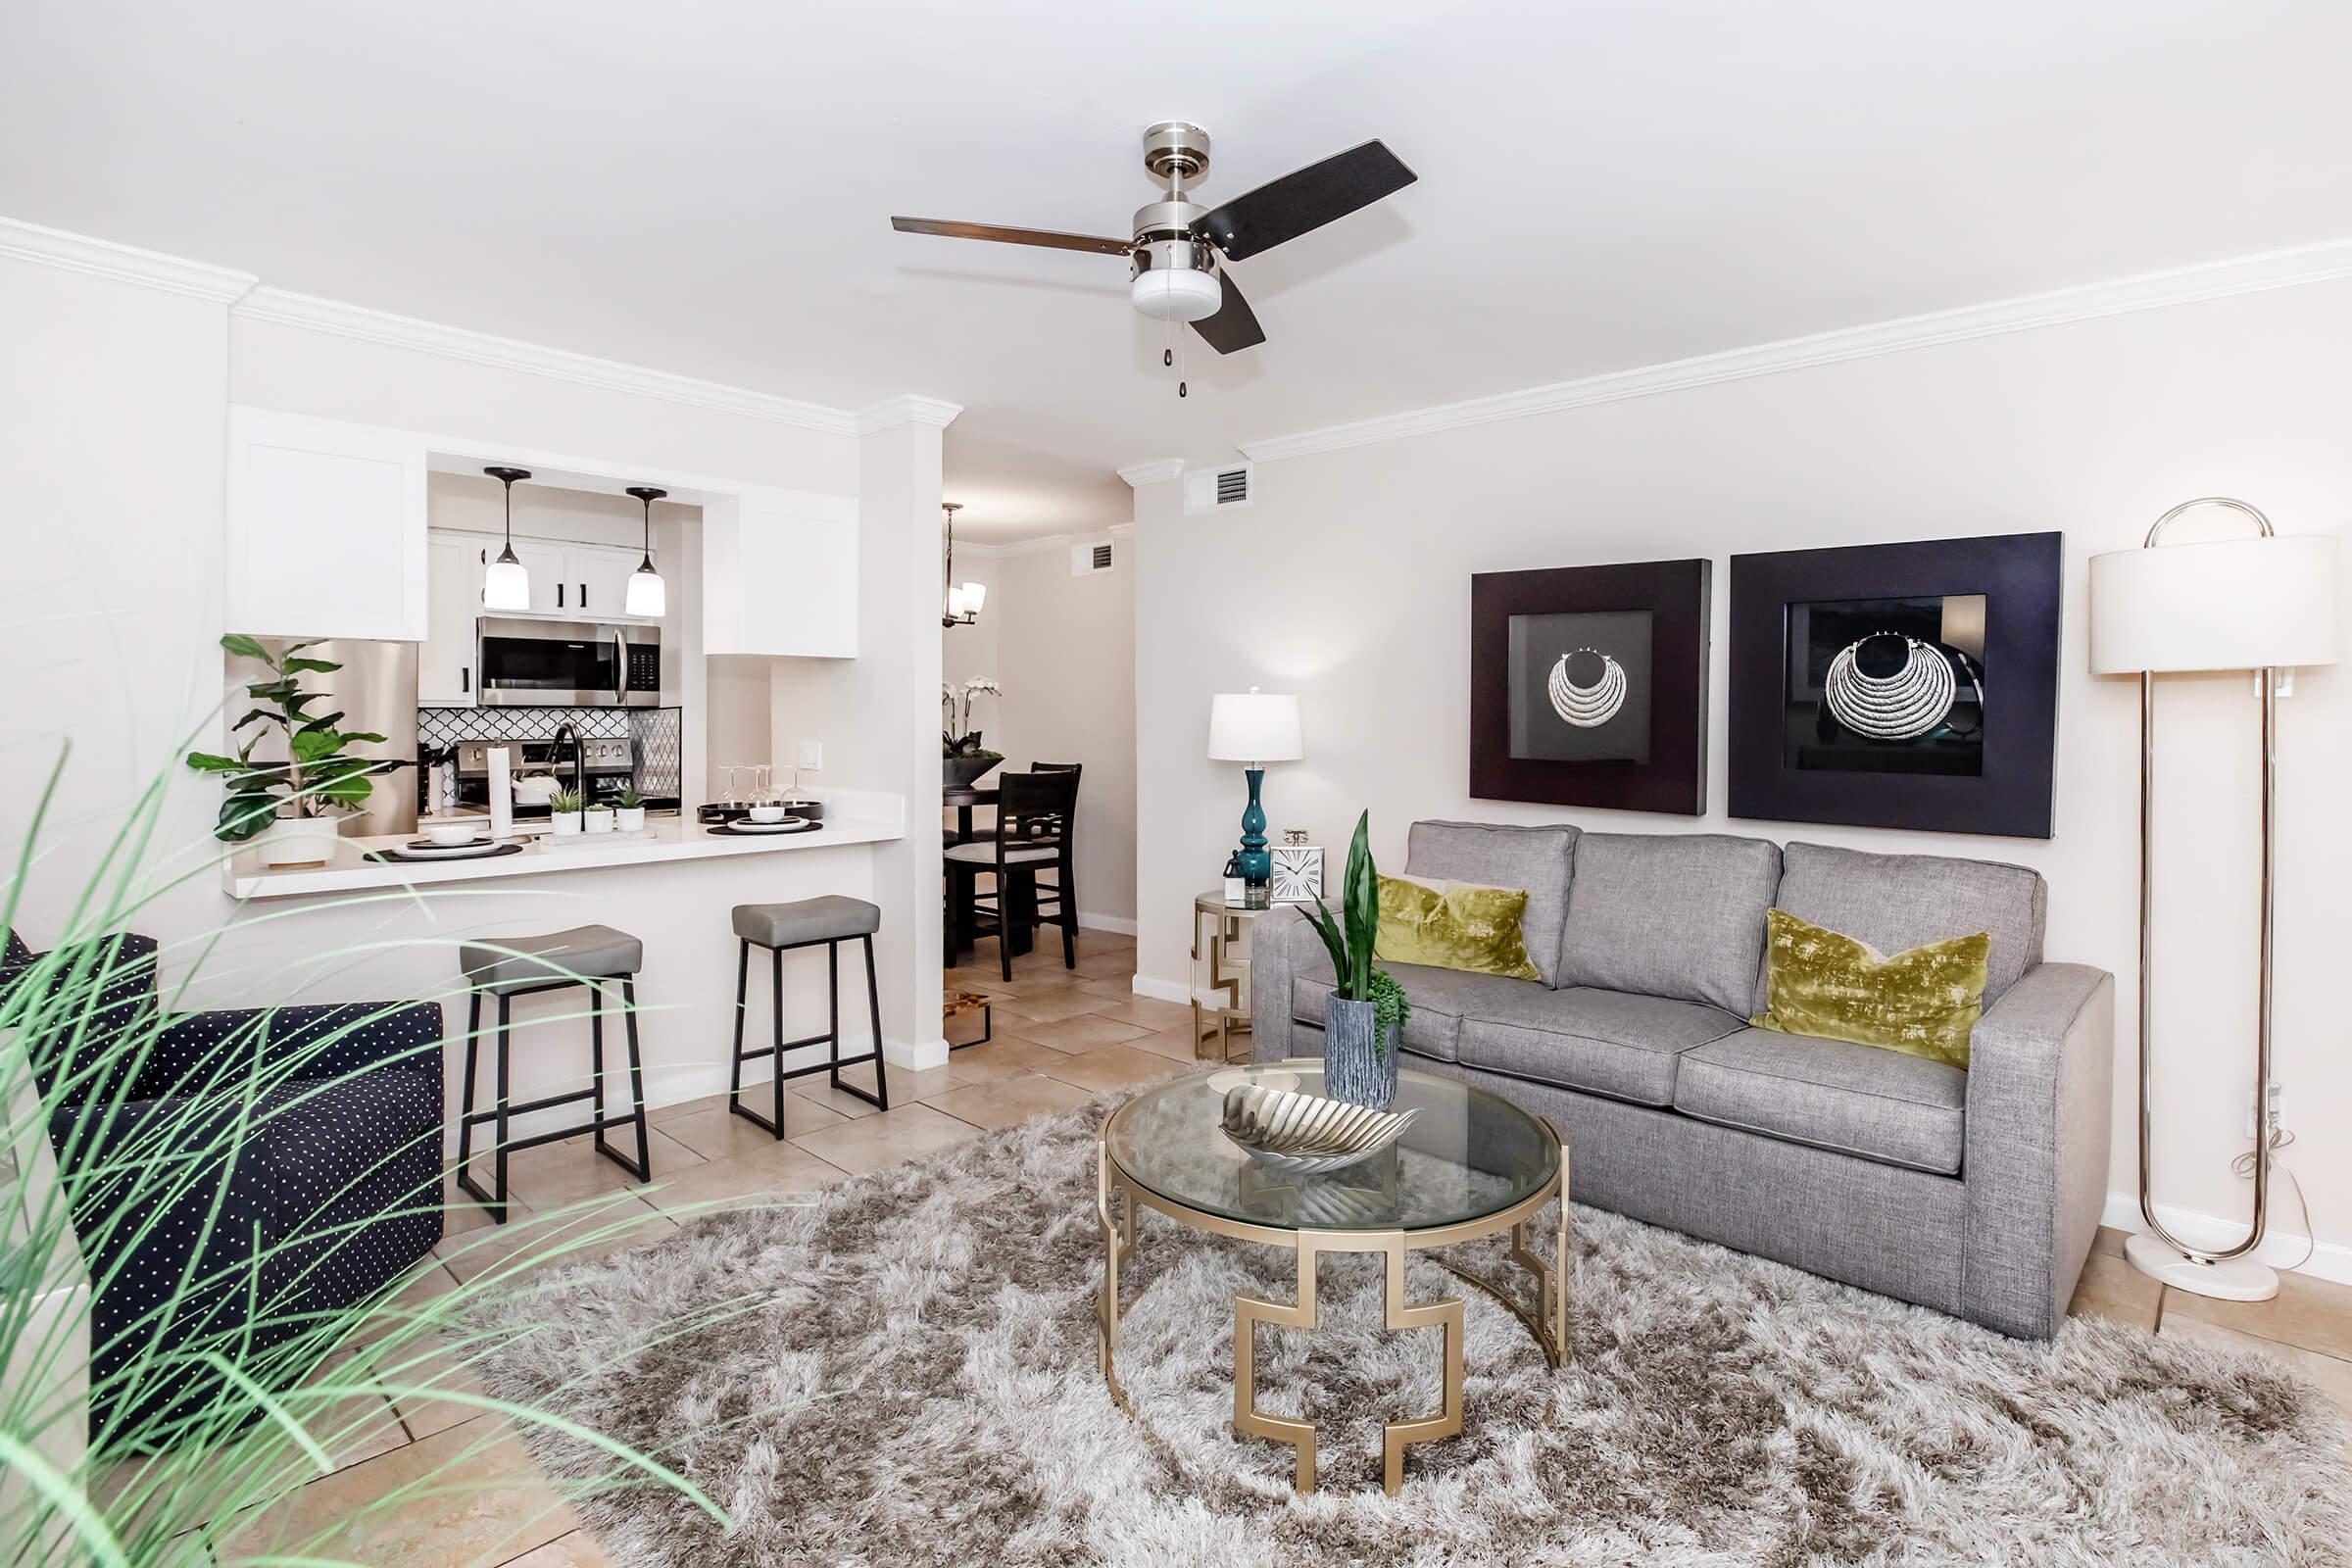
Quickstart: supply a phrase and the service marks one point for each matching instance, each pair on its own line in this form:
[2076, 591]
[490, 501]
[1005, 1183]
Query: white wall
[1065, 651]
[112, 435]
[1360, 565]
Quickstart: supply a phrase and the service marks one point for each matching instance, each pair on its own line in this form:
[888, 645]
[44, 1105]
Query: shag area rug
[905, 1374]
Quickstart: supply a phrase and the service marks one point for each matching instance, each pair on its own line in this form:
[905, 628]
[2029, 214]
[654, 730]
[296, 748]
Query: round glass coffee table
[1471, 1165]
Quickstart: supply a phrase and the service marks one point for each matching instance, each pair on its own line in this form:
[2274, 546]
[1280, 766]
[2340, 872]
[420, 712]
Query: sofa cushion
[1670, 914]
[1440, 997]
[1856, 1100]
[1898, 901]
[1537, 858]
[1602, 1042]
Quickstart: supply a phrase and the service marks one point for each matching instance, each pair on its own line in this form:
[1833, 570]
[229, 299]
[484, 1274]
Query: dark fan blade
[1234, 325]
[1304, 200]
[1012, 236]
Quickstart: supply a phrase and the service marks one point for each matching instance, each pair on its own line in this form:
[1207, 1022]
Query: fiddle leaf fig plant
[316, 776]
[1350, 939]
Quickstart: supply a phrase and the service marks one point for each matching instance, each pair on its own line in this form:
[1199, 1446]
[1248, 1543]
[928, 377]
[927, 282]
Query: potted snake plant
[1365, 1016]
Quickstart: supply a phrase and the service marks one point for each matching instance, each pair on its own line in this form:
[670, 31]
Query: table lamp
[2265, 604]
[1255, 728]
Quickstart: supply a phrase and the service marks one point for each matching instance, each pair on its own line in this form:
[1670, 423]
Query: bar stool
[780, 928]
[522, 966]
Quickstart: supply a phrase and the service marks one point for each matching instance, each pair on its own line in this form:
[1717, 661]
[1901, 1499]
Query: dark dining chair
[1025, 845]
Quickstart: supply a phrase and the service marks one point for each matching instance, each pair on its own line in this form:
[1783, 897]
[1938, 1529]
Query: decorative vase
[600, 820]
[629, 818]
[564, 823]
[959, 772]
[1356, 1066]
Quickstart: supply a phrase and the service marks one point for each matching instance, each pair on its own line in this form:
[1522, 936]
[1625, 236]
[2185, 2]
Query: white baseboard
[1117, 925]
[915, 1055]
[2329, 1260]
[1161, 990]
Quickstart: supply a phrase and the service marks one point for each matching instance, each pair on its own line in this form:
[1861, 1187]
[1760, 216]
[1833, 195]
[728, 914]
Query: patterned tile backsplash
[659, 733]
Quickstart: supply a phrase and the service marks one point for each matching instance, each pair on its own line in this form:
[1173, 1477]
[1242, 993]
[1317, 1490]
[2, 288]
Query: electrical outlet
[2273, 1121]
[812, 754]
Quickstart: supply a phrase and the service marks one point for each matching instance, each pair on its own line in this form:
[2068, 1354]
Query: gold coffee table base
[1548, 1324]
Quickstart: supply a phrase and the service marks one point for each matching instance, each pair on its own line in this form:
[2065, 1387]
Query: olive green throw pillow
[1452, 926]
[1923, 1002]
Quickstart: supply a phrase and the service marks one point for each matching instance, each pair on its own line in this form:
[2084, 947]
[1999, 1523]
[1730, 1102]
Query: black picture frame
[1999, 781]
[1664, 768]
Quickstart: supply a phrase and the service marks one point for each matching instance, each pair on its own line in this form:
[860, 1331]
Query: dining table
[1019, 902]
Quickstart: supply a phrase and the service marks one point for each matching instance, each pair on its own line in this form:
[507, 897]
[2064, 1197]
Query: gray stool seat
[520, 962]
[831, 918]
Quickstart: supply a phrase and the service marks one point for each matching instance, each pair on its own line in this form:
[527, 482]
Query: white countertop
[878, 818]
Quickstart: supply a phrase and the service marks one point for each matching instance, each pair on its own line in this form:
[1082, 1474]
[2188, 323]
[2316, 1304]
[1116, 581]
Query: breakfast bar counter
[852, 819]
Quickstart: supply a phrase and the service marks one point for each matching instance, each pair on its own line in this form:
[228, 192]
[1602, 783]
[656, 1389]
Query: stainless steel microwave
[567, 663]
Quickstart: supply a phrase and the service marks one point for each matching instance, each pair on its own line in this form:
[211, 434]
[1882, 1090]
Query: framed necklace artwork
[1903, 685]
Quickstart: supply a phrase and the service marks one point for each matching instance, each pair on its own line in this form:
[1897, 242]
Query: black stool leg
[742, 985]
[596, 1057]
[873, 1003]
[643, 1169]
[833, 1008]
[473, 1040]
[776, 1062]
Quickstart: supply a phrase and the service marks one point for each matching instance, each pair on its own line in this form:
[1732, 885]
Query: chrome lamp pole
[2265, 604]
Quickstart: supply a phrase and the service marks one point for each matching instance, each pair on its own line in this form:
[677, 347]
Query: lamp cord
[2243, 1166]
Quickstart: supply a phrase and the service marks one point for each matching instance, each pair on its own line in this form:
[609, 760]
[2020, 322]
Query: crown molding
[2184, 285]
[1038, 547]
[905, 409]
[124, 264]
[1140, 474]
[288, 308]
[1120, 531]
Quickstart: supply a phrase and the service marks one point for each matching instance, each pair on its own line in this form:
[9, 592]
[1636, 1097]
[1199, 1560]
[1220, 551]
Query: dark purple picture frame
[2022, 577]
[1675, 594]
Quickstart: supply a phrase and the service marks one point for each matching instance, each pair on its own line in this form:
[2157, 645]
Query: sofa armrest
[206, 1052]
[2041, 1078]
[1273, 964]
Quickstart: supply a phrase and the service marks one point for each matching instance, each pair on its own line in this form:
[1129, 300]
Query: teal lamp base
[1254, 863]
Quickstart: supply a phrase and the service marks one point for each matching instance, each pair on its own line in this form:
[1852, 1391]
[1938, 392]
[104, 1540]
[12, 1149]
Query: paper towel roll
[502, 793]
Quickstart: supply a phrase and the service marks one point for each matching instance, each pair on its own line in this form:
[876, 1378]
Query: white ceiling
[704, 188]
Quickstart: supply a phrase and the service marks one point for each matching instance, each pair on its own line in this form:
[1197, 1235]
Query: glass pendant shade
[956, 601]
[975, 594]
[507, 585]
[648, 595]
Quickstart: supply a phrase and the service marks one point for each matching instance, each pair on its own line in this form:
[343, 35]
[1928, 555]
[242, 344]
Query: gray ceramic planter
[1355, 1067]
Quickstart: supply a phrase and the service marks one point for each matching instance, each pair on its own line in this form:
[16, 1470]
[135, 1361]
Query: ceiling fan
[1178, 255]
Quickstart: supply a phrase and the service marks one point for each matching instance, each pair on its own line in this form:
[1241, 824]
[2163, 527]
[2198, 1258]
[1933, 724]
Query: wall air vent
[1087, 558]
[1211, 490]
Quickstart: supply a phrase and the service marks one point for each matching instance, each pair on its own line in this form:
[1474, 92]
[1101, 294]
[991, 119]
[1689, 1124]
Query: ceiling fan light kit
[1178, 254]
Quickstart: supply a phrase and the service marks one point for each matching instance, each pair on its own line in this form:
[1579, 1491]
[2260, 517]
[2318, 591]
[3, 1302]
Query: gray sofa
[1976, 1191]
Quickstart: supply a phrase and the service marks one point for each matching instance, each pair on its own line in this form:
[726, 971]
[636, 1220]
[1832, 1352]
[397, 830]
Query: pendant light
[507, 585]
[647, 595]
[961, 606]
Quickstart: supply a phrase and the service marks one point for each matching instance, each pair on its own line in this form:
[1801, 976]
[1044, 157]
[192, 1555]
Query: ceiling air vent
[1087, 560]
[1213, 489]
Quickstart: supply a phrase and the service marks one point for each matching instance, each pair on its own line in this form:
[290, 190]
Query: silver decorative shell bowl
[1307, 1133]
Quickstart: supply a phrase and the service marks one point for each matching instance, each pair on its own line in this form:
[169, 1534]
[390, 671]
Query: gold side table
[1473, 1165]
[1223, 922]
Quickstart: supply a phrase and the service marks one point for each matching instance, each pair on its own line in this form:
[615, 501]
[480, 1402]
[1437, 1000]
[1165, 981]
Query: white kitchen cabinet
[600, 580]
[780, 573]
[327, 528]
[454, 569]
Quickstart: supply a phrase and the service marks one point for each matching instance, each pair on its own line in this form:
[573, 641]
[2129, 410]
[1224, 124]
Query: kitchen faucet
[579, 757]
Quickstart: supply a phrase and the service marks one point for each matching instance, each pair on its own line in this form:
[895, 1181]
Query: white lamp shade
[506, 586]
[1176, 294]
[955, 599]
[1254, 726]
[2233, 604]
[975, 594]
[648, 595]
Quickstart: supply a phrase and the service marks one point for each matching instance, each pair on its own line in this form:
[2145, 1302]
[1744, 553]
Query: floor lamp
[2264, 604]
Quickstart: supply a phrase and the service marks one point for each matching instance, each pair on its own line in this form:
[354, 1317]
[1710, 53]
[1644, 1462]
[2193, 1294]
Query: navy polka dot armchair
[236, 1179]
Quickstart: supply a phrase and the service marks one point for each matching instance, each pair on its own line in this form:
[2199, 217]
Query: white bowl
[454, 833]
[766, 814]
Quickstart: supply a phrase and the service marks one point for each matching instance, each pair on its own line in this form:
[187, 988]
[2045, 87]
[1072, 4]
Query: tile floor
[1061, 1038]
